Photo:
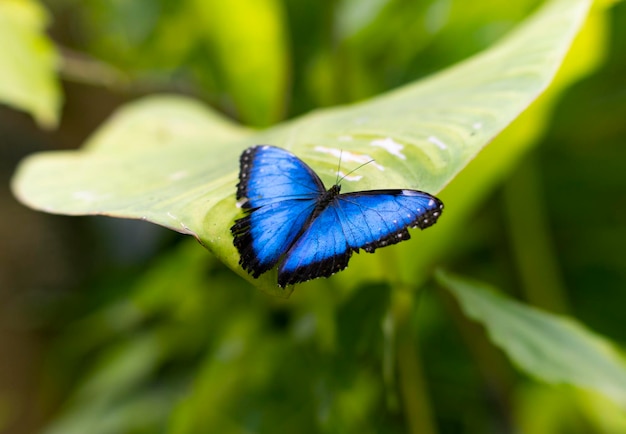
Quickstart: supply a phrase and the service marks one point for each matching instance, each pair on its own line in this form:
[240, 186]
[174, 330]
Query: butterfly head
[328, 196]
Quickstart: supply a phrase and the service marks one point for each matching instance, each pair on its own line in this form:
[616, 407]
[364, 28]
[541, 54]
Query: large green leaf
[550, 347]
[172, 162]
[28, 61]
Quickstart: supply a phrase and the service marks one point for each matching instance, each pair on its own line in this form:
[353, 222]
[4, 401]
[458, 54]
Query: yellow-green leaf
[28, 61]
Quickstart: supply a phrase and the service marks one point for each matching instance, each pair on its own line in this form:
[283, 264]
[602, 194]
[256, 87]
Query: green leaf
[28, 62]
[248, 42]
[552, 348]
[172, 162]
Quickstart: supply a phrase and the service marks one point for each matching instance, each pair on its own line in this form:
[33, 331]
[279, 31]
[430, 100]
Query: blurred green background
[114, 326]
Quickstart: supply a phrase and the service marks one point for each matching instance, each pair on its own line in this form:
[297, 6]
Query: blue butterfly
[293, 221]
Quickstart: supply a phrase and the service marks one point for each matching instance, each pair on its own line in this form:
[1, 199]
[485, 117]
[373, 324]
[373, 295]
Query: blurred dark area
[48, 262]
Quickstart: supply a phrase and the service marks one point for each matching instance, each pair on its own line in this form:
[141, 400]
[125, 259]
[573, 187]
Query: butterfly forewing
[376, 218]
[269, 175]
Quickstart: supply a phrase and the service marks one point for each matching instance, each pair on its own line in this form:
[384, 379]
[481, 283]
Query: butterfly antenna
[354, 170]
[338, 167]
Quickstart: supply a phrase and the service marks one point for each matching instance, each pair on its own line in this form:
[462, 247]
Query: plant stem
[531, 240]
[413, 388]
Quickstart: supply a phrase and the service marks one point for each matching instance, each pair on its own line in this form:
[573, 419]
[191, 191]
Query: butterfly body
[294, 222]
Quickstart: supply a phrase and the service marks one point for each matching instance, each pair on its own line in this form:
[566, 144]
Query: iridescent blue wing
[280, 193]
[363, 220]
[269, 175]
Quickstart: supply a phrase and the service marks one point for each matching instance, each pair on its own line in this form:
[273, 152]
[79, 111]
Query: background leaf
[256, 79]
[28, 62]
[555, 349]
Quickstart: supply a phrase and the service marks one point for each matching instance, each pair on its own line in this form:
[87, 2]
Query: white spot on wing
[437, 142]
[477, 125]
[389, 145]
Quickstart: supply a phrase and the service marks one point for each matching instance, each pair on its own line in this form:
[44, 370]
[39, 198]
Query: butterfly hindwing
[266, 233]
[320, 251]
[280, 193]
[363, 220]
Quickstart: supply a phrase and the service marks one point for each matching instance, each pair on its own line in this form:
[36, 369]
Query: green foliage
[241, 360]
[235, 30]
[28, 62]
[551, 348]
[187, 346]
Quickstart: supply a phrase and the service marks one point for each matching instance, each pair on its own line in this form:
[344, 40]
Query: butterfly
[293, 221]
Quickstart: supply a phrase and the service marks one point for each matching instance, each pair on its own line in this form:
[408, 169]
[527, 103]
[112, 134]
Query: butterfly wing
[269, 175]
[280, 193]
[364, 220]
